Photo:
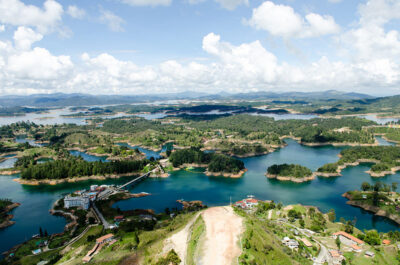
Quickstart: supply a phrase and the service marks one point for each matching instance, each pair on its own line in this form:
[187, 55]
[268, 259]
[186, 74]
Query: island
[215, 164]
[385, 160]
[290, 172]
[6, 205]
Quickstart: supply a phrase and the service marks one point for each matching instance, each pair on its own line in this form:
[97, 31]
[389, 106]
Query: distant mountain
[77, 99]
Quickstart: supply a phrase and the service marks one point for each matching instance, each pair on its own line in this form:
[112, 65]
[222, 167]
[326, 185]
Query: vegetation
[77, 167]
[289, 170]
[216, 162]
[194, 245]
[385, 156]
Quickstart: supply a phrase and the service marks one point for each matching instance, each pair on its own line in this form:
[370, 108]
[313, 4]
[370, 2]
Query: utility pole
[230, 200]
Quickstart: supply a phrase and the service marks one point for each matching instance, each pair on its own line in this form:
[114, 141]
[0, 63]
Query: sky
[132, 47]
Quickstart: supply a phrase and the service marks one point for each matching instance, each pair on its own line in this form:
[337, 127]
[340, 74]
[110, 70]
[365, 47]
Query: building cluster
[247, 203]
[82, 198]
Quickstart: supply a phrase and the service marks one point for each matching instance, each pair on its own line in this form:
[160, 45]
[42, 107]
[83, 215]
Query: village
[331, 246]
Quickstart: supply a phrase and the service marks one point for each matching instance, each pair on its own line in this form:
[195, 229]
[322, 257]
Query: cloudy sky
[152, 46]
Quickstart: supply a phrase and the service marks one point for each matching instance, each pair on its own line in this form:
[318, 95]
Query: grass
[194, 245]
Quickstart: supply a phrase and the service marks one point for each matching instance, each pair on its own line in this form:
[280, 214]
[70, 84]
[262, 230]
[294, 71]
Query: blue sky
[151, 46]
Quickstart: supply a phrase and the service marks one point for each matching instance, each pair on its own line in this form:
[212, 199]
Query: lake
[213, 191]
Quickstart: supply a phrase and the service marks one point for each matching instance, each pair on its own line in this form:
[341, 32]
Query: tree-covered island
[385, 160]
[290, 172]
[216, 164]
[6, 205]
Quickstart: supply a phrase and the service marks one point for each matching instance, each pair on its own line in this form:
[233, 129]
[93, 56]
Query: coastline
[7, 222]
[373, 209]
[353, 164]
[72, 180]
[291, 178]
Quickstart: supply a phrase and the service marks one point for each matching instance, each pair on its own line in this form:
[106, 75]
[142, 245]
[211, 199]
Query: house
[337, 257]
[290, 243]
[105, 239]
[348, 239]
[386, 242]
[306, 242]
[119, 218]
[76, 201]
[369, 254]
[247, 203]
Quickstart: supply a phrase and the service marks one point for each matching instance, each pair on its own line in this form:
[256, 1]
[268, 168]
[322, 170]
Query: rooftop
[101, 239]
[353, 238]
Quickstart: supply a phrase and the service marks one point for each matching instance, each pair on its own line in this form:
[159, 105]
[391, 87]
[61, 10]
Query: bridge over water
[134, 181]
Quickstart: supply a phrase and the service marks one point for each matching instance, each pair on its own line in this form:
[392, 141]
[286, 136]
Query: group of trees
[379, 186]
[216, 162]
[75, 167]
[4, 203]
[289, 170]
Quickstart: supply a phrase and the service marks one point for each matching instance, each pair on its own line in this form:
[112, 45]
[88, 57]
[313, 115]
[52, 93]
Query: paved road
[101, 217]
[323, 253]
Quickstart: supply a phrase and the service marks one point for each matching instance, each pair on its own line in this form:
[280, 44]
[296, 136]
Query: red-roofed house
[348, 239]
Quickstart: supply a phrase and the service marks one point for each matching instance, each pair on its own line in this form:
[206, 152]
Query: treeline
[4, 203]
[216, 162]
[289, 170]
[386, 156]
[77, 167]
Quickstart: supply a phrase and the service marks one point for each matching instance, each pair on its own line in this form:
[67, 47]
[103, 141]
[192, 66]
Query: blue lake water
[194, 185]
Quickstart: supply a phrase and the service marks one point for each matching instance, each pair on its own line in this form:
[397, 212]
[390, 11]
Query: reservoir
[194, 185]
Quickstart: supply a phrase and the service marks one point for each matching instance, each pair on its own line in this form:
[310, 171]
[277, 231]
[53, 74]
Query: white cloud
[25, 37]
[2, 28]
[15, 12]
[76, 12]
[335, 1]
[113, 21]
[39, 64]
[232, 4]
[147, 2]
[283, 21]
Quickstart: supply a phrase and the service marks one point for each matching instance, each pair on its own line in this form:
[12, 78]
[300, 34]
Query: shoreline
[373, 209]
[72, 180]
[7, 222]
[291, 178]
[339, 169]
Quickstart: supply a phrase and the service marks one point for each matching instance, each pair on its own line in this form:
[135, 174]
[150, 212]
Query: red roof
[342, 233]
[119, 217]
[386, 242]
[251, 200]
[103, 238]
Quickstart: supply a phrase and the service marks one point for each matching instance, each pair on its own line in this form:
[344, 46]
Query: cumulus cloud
[147, 2]
[76, 12]
[38, 64]
[16, 13]
[283, 21]
[2, 28]
[25, 37]
[113, 21]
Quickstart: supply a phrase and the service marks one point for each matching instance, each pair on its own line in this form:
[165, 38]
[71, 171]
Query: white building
[76, 201]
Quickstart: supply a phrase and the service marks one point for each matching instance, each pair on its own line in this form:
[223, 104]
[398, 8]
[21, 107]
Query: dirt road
[223, 229]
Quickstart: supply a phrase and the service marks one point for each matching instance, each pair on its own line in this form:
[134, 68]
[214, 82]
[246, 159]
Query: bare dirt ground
[178, 241]
[223, 229]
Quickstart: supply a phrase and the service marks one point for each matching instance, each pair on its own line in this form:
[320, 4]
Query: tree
[378, 186]
[302, 223]
[40, 232]
[349, 227]
[365, 186]
[332, 215]
[338, 242]
[372, 238]
[394, 186]
[45, 233]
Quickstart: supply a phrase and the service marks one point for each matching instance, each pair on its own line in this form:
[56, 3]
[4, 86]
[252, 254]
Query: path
[179, 240]
[223, 230]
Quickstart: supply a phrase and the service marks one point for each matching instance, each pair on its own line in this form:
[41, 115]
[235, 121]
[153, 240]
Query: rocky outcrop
[291, 178]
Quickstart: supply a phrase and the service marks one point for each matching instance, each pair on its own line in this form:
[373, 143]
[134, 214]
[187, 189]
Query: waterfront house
[290, 243]
[119, 218]
[337, 257]
[386, 242]
[247, 203]
[76, 201]
[348, 239]
[356, 248]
